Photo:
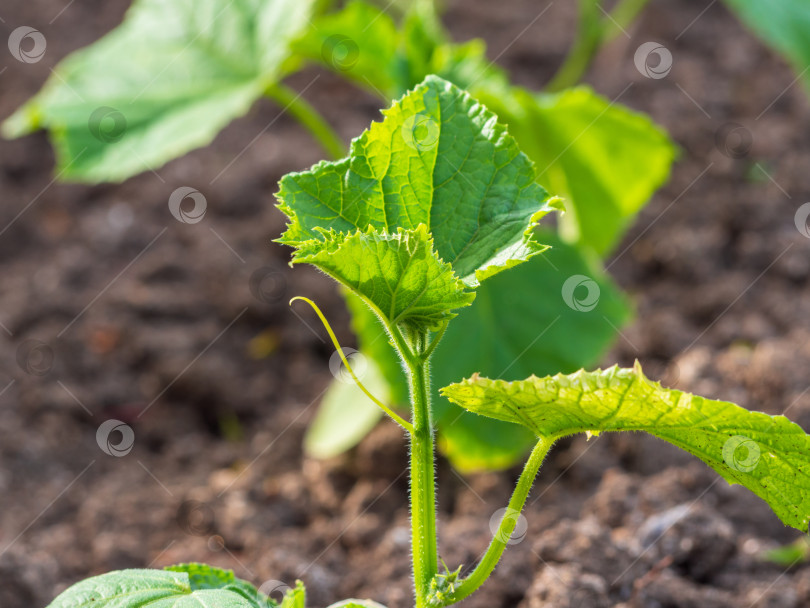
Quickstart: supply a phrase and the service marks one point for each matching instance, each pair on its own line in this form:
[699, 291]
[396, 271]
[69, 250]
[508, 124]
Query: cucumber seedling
[119, 107]
[431, 202]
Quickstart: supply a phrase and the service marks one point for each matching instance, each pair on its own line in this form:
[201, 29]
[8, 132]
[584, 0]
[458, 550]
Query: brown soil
[717, 269]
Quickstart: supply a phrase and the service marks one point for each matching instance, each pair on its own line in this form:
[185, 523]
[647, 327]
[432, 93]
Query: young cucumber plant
[432, 201]
[174, 73]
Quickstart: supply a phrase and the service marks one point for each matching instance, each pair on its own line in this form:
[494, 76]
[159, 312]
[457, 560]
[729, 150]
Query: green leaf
[783, 24]
[398, 275]
[295, 598]
[164, 82]
[770, 455]
[607, 160]
[183, 586]
[440, 159]
[202, 576]
[541, 333]
[360, 42]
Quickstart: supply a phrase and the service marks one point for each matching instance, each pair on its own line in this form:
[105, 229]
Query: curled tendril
[394, 416]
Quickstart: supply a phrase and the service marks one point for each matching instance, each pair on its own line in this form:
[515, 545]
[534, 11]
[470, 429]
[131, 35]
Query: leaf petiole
[501, 538]
[437, 337]
[396, 417]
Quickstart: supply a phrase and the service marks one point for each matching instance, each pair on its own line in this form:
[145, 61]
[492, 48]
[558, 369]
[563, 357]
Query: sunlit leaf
[439, 159]
[604, 158]
[397, 274]
[770, 455]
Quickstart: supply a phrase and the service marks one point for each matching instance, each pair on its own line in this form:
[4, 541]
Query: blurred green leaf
[164, 82]
[607, 160]
[181, 586]
[360, 42]
[783, 24]
[364, 43]
[795, 553]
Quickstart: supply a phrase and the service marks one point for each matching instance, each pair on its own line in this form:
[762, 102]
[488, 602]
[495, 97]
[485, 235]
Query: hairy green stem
[423, 484]
[507, 526]
[309, 117]
[593, 31]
